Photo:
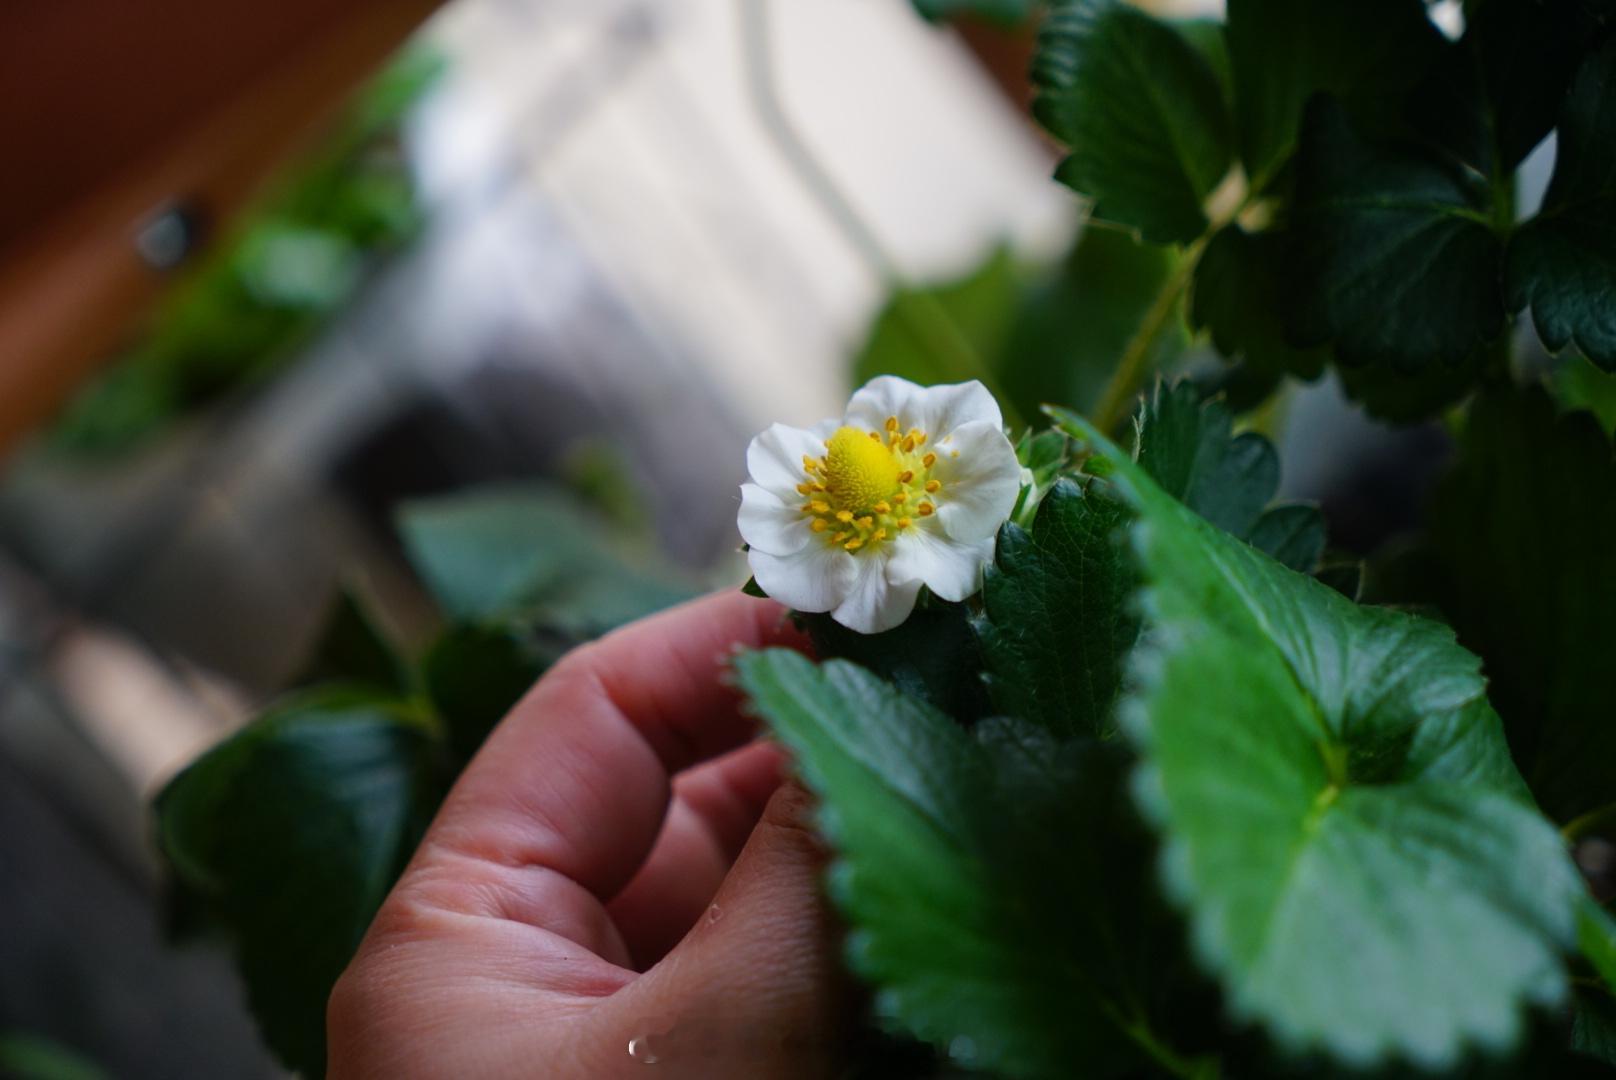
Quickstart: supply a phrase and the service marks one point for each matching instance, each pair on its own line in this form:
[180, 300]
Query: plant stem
[930, 323]
[1592, 821]
[1117, 401]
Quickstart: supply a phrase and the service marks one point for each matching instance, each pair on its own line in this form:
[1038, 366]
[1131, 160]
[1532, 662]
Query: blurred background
[269, 273]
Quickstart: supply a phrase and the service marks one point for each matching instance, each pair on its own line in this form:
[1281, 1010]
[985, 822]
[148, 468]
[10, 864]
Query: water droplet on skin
[714, 913]
[640, 1050]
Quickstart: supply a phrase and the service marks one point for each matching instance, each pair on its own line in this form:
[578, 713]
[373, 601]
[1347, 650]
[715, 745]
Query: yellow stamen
[934, 486]
[882, 508]
[929, 460]
[876, 435]
[904, 523]
[819, 506]
[853, 544]
[892, 423]
[900, 498]
[906, 476]
[839, 537]
[908, 443]
[844, 516]
[926, 508]
[879, 534]
[819, 525]
[805, 489]
[865, 522]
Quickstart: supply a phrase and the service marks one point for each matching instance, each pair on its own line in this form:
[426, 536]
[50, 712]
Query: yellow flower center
[868, 489]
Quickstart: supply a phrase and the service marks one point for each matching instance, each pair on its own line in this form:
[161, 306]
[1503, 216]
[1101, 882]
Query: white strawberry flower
[852, 517]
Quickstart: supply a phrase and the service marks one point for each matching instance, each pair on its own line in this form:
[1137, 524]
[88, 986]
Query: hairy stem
[926, 320]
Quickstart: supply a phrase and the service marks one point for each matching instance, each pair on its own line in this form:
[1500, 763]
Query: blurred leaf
[1377, 885]
[28, 1057]
[527, 550]
[1521, 531]
[996, 881]
[1282, 52]
[1056, 621]
[351, 648]
[1050, 334]
[475, 674]
[290, 833]
[1563, 262]
[1075, 321]
[1140, 111]
[981, 305]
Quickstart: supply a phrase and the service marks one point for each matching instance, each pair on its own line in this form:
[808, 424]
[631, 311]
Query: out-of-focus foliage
[292, 262]
[285, 838]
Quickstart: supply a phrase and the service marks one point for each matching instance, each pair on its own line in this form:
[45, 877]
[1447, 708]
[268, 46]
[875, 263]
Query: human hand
[573, 912]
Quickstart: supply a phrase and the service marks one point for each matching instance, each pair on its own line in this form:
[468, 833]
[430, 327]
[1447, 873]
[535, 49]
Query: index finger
[577, 778]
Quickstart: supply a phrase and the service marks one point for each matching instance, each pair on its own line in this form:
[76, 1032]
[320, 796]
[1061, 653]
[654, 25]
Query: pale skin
[620, 862]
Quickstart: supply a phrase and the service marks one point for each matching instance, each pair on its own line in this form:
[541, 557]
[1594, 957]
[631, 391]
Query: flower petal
[873, 604]
[936, 410]
[774, 458]
[770, 525]
[950, 569]
[980, 485]
[817, 578]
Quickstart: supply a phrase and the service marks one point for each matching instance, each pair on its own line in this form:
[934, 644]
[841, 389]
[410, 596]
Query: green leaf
[1362, 867]
[1141, 112]
[1282, 52]
[1563, 262]
[1237, 297]
[1521, 532]
[1594, 1026]
[1393, 256]
[1076, 321]
[289, 834]
[981, 307]
[932, 655]
[1596, 935]
[351, 648]
[475, 673]
[1188, 447]
[992, 879]
[1006, 13]
[1056, 621]
[528, 550]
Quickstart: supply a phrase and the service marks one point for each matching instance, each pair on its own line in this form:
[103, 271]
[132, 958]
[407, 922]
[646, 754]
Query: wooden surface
[108, 111]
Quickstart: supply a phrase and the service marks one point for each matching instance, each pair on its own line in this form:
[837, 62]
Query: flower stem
[926, 320]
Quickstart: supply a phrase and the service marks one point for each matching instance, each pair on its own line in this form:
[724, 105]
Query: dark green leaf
[1141, 112]
[1563, 262]
[351, 648]
[752, 588]
[289, 834]
[1188, 447]
[1593, 1030]
[1376, 884]
[932, 655]
[1364, 52]
[1237, 298]
[1521, 530]
[1493, 95]
[1392, 256]
[531, 551]
[993, 879]
[475, 673]
[1056, 621]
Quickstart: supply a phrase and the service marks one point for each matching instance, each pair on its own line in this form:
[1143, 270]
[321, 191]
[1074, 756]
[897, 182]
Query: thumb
[756, 986]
